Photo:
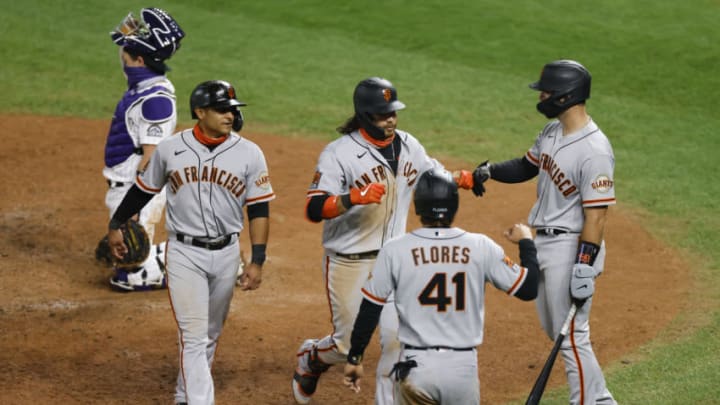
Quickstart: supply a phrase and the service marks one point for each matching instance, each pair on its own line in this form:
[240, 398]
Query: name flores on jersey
[189, 175]
[440, 254]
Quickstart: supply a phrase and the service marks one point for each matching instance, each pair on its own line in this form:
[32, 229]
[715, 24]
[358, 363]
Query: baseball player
[210, 173]
[361, 189]
[143, 117]
[574, 163]
[437, 274]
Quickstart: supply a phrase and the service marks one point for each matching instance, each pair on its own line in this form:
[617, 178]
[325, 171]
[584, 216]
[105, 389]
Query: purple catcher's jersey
[438, 276]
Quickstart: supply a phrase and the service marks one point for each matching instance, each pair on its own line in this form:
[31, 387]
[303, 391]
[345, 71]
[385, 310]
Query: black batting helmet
[376, 95]
[563, 79]
[436, 195]
[217, 93]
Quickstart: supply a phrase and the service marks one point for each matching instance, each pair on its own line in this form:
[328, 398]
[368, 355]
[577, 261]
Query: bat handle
[568, 320]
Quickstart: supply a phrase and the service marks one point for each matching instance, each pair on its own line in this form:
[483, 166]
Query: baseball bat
[541, 382]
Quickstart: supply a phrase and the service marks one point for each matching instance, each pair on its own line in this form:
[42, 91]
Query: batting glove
[463, 178]
[370, 194]
[582, 283]
[480, 176]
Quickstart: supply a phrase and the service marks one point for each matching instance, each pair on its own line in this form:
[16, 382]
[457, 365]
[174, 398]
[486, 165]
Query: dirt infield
[66, 338]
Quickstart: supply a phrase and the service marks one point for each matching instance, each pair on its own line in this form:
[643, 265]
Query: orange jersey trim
[520, 279]
[262, 197]
[600, 201]
[374, 299]
[145, 187]
[532, 158]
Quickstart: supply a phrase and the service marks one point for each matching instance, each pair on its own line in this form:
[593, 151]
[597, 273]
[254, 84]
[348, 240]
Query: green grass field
[462, 68]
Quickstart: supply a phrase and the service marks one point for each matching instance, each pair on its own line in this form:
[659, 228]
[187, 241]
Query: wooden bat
[539, 387]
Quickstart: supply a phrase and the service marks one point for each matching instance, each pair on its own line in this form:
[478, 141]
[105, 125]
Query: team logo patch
[263, 180]
[387, 94]
[155, 131]
[231, 92]
[511, 264]
[316, 179]
[602, 183]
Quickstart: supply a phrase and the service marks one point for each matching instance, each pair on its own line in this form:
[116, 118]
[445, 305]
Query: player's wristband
[354, 359]
[258, 254]
[587, 252]
[345, 200]
[114, 224]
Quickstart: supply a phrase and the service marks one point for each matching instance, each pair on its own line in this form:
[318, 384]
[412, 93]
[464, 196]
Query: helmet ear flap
[238, 120]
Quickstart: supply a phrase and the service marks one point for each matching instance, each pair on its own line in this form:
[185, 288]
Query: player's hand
[370, 194]
[353, 374]
[518, 232]
[117, 243]
[251, 277]
[463, 178]
[582, 283]
[480, 176]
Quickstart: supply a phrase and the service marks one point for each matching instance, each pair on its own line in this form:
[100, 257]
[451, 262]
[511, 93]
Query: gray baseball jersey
[350, 161]
[207, 188]
[575, 171]
[438, 276]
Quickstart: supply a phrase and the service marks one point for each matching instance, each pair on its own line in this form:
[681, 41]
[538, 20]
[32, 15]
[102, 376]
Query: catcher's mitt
[138, 244]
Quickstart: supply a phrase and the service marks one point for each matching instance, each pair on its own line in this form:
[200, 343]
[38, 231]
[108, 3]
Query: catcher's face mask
[129, 27]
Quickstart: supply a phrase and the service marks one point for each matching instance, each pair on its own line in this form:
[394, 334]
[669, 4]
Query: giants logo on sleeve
[316, 180]
[602, 184]
[263, 180]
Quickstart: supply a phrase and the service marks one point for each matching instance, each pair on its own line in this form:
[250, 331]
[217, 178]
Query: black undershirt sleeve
[513, 170]
[528, 259]
[131, 204]
[259, 210]
[365, 324]
[314, 207]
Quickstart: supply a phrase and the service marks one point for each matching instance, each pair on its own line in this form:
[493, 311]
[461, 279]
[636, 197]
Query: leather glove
[480, 176]
[370, 194]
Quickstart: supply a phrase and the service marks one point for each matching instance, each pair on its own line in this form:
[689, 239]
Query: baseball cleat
[124, 281]
[307, 374]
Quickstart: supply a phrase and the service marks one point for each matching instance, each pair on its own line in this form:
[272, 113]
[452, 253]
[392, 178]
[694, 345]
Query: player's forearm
[259, 233]
[513, 171]
[131, 204]
[528, 259]
[365, 324]
[147, 152]
[325, 206]
[594, 226]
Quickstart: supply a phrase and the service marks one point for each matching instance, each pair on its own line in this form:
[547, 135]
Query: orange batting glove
[370, 194]
[463, 178]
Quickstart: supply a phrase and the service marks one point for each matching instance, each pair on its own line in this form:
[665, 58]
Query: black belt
[217, 245]
[455, 349]
[551, 231]
[359, 256]
[112, 184]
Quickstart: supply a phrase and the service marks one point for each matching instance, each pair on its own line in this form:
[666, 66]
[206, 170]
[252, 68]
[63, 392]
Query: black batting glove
[480, 176]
